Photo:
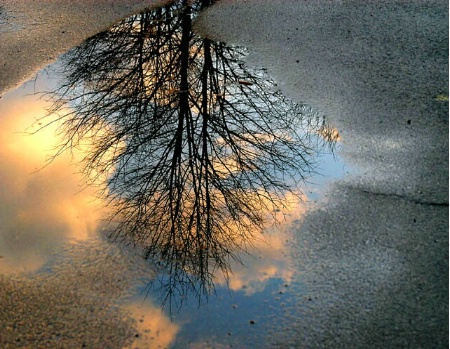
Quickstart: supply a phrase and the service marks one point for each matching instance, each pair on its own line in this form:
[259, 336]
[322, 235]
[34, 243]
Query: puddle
[194, 152]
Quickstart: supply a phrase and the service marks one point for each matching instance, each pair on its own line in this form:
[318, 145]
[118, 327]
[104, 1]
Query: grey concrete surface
[374, 67]
[34, 33]
[375, 255]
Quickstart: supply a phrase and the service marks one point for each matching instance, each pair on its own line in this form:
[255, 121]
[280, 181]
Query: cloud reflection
[39, 207]
[154, 329]
[268, 257]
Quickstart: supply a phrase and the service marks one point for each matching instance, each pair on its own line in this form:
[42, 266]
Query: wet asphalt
[374, 254]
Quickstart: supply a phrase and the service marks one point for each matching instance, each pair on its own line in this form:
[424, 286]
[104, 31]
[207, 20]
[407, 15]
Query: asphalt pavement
[374, 255]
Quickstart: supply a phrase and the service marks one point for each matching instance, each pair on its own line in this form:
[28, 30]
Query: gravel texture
[76, 301]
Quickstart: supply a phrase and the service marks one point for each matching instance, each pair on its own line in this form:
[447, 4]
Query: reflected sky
[51, 222]
[46, 210]
[41, 207]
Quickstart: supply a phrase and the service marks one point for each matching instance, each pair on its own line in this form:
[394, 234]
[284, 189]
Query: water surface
[201, 278]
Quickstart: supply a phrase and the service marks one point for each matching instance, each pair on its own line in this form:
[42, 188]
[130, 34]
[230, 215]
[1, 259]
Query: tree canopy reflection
[195, 147]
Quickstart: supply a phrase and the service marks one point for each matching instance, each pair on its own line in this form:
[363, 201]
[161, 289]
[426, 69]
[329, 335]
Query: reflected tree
[196, 150]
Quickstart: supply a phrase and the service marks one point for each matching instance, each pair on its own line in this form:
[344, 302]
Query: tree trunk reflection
[196, 148]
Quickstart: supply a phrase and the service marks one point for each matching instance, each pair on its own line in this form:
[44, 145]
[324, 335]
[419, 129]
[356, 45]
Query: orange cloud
[154, 329]
[40, 207]
[268, 258]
